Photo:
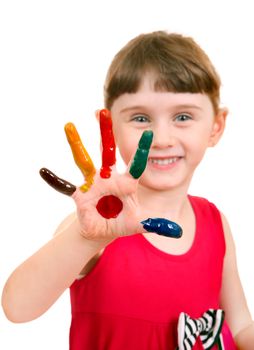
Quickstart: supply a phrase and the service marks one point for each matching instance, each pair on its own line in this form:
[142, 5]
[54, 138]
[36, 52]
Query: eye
[140, 118]
[183, 117]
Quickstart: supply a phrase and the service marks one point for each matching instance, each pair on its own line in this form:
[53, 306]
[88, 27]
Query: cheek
[127, 140]
[200, 137]
[127, 147]
[197, 148]
[125, 151]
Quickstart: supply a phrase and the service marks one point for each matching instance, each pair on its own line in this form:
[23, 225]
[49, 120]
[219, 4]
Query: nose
[163, 137]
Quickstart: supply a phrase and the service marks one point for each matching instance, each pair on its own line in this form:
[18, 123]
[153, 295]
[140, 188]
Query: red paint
[109, 206]
[108, 144]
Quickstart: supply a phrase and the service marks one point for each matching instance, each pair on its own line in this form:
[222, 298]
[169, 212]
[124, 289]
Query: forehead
[148, 97]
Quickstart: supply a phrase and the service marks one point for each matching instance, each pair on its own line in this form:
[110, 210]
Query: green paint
[140, 159]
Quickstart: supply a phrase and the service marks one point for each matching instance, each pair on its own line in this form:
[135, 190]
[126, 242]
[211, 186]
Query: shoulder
[207, 212]
[207, 206]
[202, 203]
[222, 221]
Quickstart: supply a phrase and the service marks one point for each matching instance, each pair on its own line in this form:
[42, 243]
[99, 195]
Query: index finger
[139, 162]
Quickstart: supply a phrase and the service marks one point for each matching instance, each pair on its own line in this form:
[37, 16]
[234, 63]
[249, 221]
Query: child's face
[184, 125]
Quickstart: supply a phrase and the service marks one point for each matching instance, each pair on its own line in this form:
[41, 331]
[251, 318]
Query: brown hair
[177, 63]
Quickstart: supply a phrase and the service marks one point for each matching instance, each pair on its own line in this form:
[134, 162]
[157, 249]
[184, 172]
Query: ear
[218, 126]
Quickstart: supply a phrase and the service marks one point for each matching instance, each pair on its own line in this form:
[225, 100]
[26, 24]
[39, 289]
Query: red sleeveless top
[132, 298]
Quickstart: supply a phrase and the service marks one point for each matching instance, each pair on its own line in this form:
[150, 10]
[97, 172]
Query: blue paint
[162, 227]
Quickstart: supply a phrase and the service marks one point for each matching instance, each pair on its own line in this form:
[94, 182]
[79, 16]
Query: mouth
[163, 163]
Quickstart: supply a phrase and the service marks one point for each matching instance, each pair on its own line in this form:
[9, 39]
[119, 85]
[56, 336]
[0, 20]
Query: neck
[171, 203]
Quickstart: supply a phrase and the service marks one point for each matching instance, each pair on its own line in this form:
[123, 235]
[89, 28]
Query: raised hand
[107, 204]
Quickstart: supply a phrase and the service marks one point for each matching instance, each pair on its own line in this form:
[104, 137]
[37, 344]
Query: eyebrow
[182, 106]
[128, 109]
[192, 106]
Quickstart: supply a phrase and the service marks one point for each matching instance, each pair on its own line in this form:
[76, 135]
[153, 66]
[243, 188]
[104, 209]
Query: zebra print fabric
[208, 328]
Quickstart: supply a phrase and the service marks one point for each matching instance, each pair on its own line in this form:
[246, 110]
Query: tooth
[164, 161]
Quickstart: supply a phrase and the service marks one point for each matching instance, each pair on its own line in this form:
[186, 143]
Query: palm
[118, 189]
[107, 204]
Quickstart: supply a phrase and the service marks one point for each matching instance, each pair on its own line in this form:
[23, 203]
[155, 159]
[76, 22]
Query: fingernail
[140, 159]
[146, 140]
[162, 227]
[58, 184]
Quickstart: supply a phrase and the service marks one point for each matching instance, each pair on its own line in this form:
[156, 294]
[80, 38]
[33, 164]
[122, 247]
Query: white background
[53, 60]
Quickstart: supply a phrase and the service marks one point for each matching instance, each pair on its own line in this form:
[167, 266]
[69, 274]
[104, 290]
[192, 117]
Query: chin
[158, 185]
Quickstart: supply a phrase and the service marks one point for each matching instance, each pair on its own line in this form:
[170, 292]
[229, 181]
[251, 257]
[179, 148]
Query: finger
[139, 162]
[108, 144]
[162, 227]
[58, 184]
[80, 155]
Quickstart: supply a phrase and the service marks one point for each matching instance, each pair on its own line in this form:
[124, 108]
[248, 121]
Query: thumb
[162, 227]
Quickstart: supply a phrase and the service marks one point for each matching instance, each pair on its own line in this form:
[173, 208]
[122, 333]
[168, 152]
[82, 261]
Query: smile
[165, 161]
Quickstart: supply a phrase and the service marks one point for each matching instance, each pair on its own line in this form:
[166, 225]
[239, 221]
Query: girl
[128, 287]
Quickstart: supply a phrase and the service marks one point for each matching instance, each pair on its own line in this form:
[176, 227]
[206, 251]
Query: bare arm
[38, 282]
[107, 207]
[233, 300]
[245, 338]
